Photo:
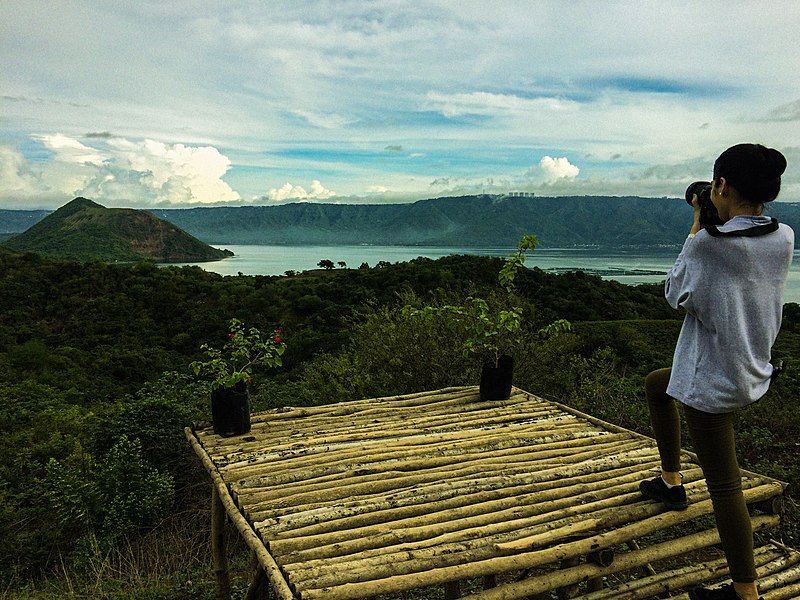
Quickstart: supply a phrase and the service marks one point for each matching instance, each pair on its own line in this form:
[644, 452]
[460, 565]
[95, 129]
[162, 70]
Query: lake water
[625, 266]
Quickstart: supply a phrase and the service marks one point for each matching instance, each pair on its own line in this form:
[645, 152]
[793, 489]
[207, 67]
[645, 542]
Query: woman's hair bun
[775, 162]
[754, 170]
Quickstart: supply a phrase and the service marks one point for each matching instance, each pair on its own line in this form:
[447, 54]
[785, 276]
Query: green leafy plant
[245, 349]
[491, 330]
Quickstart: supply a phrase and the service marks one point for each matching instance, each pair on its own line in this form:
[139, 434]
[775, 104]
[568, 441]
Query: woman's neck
[746, 210]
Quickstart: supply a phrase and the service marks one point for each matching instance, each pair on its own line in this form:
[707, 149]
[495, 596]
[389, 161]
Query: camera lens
[702, 189]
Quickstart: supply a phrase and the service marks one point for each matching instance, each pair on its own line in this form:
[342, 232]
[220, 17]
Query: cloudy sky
[202, 102]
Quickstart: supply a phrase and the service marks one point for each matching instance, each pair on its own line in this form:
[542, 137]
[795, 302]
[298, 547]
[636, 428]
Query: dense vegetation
[100, 493]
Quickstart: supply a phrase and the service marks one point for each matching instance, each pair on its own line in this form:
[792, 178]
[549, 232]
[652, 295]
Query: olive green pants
[715, 447]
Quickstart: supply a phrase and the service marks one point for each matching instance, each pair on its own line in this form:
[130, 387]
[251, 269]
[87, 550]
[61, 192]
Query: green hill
[83, 230]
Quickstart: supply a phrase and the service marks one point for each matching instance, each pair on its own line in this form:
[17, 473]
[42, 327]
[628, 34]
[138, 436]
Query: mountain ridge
[452, 221]
[458, 221]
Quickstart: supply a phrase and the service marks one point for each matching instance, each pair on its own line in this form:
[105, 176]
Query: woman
[730, 281]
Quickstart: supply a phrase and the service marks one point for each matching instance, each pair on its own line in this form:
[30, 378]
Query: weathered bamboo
[396, 583]
[372, 423]
[218, 551]
[659, 583]
[307, 418]
[536, 499]
[445, 527]
[502, 484]
[249, 446]
[780, 564]
[464, 545]
[426, 488]
[696, 492]
[419, 500]
[277, 582]
[787, 592]
[447, 467]
[378, 496]
[290, 450]
[422, 458]
[457, 442]
[427, 397]
[390, 481]
[561, 578]
[515, 518]
[569, 591]
[373, 420]
[785, 576]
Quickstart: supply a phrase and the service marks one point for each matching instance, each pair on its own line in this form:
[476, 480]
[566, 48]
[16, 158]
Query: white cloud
[295, 192]
[490, 104]
[319, 192]
[175, 172]
[18, 180]
[119, 171]
[558, 168]
[70, 150]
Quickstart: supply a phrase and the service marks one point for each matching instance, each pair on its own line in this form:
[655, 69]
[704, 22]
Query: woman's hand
[696, 226]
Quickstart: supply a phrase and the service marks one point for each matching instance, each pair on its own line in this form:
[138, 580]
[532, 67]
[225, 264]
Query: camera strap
[749, 232]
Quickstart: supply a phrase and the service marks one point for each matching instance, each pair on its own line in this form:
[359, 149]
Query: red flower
[277, 340]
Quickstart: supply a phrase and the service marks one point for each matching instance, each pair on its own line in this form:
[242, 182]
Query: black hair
[753, 170]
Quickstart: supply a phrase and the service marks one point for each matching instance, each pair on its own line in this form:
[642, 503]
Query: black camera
[708, 212]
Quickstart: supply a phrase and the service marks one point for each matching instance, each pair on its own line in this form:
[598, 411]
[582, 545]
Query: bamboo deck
[490, 500]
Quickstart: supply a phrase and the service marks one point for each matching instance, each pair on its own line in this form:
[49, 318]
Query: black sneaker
[673, 498]
[724, 592]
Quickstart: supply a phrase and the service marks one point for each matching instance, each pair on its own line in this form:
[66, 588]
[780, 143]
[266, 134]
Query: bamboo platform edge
[266, 561]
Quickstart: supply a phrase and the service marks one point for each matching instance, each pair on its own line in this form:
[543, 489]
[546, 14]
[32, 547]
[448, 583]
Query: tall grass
[172, 561]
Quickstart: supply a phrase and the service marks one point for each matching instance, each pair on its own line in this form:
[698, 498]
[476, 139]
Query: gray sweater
[732, 291]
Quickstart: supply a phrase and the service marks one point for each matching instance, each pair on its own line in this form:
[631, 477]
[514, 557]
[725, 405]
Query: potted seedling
[491, 330]
[229, 369]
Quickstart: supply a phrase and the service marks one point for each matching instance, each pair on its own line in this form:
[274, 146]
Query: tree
[342, 264]
[325, 264]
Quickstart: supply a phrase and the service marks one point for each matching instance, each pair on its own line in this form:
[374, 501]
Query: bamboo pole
[389, 430]
[786, 576]
[787, 592]
[424, 456]
[225, 449]
[502, 485]
[323, 475]
[456, 442]
[464, 545]
[428, 489]
[277, 582]
[392, 584]
[521, 500]
[544, 516]
[419, 500]
[218, 550]
[666, 581]
[390, 481]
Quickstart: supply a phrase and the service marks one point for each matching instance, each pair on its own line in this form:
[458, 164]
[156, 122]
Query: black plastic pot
[496, 380]
[230, 410]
